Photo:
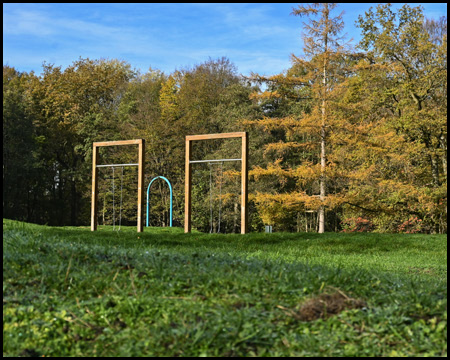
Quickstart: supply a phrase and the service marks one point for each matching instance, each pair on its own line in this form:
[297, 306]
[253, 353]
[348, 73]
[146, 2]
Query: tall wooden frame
[141, 167]
[244, 175]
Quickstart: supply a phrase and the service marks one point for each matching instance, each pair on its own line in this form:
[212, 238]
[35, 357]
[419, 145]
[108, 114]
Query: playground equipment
[140, 165]
[244, 174]
[171, 196]
[188, 177]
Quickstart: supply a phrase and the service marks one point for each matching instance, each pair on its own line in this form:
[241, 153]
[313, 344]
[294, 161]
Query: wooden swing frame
[141, 167]
[244, 174]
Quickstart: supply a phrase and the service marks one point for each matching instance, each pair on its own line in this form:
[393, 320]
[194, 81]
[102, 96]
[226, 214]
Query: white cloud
[23, 22]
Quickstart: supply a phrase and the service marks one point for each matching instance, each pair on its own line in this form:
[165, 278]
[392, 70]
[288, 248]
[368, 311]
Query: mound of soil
[326, 305]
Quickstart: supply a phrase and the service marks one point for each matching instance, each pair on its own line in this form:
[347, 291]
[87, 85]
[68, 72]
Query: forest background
[359, 135]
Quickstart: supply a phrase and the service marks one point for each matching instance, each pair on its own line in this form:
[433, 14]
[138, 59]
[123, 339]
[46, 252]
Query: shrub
[412, 226]
[357, 225]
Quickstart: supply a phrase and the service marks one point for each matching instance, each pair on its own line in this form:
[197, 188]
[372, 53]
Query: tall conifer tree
[321, 43]
[318, 71]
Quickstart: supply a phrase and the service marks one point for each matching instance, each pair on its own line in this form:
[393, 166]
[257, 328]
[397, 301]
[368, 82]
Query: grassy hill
[72, 292]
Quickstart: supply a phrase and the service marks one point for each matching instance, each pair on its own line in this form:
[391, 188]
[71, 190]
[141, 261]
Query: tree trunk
[443, 144]
[435, 170]
[321, 214]
[322, 181]
[73, 207]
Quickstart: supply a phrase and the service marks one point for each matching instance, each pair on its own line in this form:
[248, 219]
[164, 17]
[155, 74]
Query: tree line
[346, 139]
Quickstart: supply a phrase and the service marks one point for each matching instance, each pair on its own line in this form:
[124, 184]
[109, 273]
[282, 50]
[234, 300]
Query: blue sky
[256, 37]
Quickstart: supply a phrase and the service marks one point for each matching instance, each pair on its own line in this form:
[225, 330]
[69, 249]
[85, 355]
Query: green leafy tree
[413, 53]
[392, 117]
[20, 166]
[71, 109]
[418, 66]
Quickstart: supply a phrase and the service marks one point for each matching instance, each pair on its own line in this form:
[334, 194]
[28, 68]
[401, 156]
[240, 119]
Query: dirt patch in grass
[29, 353]
[326, 305]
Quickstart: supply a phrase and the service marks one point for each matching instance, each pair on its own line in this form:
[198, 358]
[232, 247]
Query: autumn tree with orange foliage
[305, 132]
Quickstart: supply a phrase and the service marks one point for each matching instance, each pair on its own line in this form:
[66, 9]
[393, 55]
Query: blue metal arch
[171, 195]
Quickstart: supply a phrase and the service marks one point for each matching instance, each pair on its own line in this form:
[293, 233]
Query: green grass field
[70, 292]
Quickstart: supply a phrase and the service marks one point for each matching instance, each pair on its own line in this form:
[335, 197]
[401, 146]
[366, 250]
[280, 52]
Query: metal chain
[220, 194]
[114, 211]
[210, 200]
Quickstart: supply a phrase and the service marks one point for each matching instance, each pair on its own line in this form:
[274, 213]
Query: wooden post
[187, 189]
[94, 188]
[244, 184]
[141, 168]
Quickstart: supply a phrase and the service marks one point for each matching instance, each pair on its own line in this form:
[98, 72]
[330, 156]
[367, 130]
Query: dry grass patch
[324, 306]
